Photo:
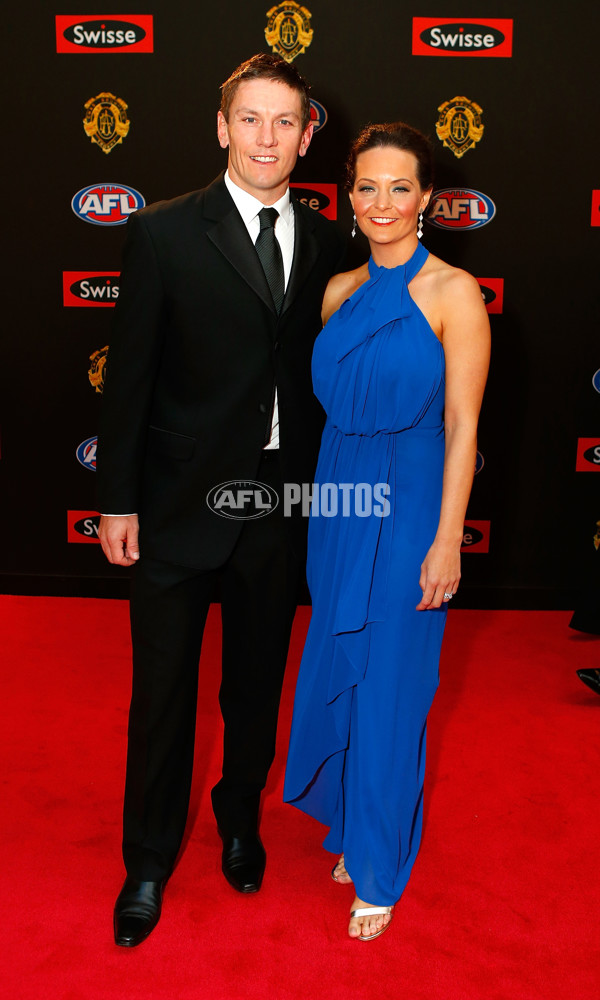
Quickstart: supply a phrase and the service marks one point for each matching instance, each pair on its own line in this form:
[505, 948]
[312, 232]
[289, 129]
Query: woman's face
[387, 196]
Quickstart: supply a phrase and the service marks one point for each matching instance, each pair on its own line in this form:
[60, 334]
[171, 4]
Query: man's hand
[119, 539]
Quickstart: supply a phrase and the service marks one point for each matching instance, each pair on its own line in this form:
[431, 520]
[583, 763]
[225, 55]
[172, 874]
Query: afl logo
[461, 208]
[106, 204]
[318, 115]
[596, 380]
[242, 500]
[86, 453]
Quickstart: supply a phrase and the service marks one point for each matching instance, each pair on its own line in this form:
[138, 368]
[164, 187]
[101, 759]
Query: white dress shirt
[248, 206]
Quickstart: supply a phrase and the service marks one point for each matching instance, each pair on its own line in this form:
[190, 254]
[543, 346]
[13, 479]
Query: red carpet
[504, 899]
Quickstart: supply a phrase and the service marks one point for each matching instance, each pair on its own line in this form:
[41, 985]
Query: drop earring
[420, 227]
[353, 226]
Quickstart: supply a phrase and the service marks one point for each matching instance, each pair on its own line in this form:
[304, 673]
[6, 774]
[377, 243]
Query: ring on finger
[448, 597]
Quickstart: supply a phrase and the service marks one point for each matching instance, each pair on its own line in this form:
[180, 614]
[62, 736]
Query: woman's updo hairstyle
[398, 135]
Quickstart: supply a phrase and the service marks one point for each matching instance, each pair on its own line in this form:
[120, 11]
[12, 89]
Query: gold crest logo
[96, 370]
[288, 30]
[106, 121]
[459, 125]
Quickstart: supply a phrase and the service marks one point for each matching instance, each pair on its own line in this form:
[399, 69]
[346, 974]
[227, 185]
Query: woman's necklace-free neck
[392, 255]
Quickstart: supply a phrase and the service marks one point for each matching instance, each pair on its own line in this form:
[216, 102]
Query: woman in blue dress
[400, 369]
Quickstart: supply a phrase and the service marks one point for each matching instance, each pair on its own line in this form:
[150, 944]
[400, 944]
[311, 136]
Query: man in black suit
[208, 382]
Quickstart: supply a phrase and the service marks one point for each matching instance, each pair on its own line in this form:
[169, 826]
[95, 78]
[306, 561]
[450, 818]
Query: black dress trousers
[259, 588]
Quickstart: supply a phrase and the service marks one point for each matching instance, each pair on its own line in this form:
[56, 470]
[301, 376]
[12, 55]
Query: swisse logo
[82, 526]
[588, 455]
[86, 453]
[81, 33]
[462, 36]
[476, 536]
[320, 197]
[242, 500]
[90, 288]
[453, 36]
[461, 208]
[106, 204]
[492, 292]
[318, 115]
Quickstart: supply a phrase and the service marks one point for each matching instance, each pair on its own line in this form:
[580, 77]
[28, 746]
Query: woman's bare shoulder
[341, 287]
[450, 280]
[456, 303]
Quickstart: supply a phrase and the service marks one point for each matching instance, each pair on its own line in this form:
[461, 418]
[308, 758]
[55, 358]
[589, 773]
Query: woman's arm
[466, 341]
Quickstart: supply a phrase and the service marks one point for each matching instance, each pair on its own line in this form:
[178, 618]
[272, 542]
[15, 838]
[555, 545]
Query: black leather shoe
[137, 911]
[243, 862]
[591, 677]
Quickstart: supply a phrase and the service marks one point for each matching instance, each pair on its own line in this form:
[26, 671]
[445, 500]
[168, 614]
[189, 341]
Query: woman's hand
[440, 574]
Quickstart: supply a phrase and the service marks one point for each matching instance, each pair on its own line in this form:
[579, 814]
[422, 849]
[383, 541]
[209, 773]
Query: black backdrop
[537, 161]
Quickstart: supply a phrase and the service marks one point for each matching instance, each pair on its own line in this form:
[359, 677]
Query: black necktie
[269, 253]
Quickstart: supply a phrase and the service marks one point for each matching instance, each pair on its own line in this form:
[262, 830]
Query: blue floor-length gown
[370, 665]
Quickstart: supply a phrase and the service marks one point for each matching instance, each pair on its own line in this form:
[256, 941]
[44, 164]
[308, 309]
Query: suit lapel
[230, 236]
[306, 251]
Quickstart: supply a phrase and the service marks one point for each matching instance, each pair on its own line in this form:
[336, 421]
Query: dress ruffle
[387, 299]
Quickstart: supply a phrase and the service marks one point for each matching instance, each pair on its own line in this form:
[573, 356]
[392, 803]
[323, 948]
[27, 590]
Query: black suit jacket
[196, 352]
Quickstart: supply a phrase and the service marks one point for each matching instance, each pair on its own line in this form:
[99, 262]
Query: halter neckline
[411, 266]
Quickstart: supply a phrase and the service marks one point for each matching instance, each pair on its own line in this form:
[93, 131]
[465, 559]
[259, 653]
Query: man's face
[265, 136]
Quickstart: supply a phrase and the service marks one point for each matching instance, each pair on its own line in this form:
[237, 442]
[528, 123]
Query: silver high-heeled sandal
[366, 911]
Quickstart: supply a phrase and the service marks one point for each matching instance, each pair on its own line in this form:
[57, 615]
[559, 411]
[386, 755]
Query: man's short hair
[266, 66]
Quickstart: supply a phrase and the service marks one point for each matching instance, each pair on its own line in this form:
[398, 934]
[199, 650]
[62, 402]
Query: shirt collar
[248, 206]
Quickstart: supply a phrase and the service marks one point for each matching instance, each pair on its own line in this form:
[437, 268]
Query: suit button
[262, 407]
